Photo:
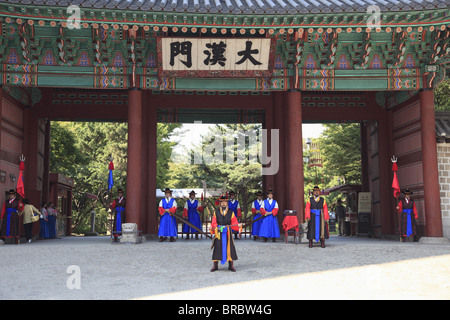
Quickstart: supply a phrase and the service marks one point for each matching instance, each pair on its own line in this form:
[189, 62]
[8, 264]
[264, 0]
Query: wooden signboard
[215, 57]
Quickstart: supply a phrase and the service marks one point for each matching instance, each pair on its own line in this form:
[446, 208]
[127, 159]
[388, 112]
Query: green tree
[82, 151]
[442, 96]
[341, 151]
[243, 178]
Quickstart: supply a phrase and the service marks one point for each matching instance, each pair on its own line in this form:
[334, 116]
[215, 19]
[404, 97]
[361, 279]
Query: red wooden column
[268, 180]
[294, 154]
[433, 215]
[280, 177]
[152, 220]
[134, 162]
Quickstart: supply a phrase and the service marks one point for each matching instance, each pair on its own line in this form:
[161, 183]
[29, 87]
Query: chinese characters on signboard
[215, 54]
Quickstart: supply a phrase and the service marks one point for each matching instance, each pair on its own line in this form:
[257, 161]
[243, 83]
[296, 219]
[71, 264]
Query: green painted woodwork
[213, 84]
[313, 51]
[361, 84]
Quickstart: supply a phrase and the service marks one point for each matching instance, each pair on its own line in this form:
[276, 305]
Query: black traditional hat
[12, 191]
[407, 191]
[167, 190]
[231, 192]
[269, 191]
[119, 190]
[223, 198]
[259, 193]
[316, 188]
[192, 192]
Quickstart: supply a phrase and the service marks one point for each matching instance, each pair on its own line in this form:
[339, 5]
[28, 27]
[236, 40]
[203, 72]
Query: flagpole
[20, 188]
[110, 185]
[395, 186]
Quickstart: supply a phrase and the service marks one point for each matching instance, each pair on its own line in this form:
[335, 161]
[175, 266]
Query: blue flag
[110, 177]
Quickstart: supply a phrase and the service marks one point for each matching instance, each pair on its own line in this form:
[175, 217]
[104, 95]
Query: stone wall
[443, 150]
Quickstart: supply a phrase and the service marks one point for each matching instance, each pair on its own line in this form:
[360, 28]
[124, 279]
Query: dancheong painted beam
[331, 45]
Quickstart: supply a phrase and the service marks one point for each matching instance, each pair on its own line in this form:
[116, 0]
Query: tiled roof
[246, 6]
[443, 124]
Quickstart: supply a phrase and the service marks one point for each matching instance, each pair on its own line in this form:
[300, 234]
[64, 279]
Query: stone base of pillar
[130, 233]
[435, 240]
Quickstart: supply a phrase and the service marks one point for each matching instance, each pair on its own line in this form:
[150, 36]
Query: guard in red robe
[222, 223]
[316, 214]
[10, 217]
[407, 216]
[118, 206]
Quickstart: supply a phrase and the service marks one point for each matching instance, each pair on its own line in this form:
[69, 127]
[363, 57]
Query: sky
[191, 133]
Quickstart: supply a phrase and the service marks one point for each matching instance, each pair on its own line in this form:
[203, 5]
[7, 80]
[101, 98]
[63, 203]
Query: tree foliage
[244, 177]
[442, 96]
[82, 151]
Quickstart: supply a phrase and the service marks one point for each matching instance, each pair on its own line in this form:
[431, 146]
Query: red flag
[20, 186]
[395, 184]
[202, 197]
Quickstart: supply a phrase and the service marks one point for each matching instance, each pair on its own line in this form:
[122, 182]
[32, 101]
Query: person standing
[340, 215]
[223, 222]
[118, 207]
[407, 216]
[256, 211]
[30, 215]
[191, 212]
[269, 225]
[233, 205]
[316, 214]
[167, 225]
[43, 222]
[51, 215]
[10, 217]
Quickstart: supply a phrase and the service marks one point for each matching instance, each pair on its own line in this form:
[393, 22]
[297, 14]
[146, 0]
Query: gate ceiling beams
[312, 49]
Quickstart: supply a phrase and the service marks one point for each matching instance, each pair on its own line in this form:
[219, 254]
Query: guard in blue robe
[269, 226]
[168, 226]
[256, 211]
[233, 205]
[191, 213]
[120, 217]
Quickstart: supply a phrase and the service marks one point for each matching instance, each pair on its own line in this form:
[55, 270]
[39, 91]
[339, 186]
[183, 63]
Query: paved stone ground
[348, 268]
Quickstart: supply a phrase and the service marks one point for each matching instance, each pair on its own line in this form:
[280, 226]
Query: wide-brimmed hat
[167, 190]
[407, 191]
[223, 198]
[192, 192]
[269, 191]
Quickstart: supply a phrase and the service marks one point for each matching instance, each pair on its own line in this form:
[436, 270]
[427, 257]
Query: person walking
[30, 215]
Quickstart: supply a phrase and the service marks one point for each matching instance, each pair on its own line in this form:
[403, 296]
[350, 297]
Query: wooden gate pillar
[134, 162]
[294, 154]
[433, 215]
